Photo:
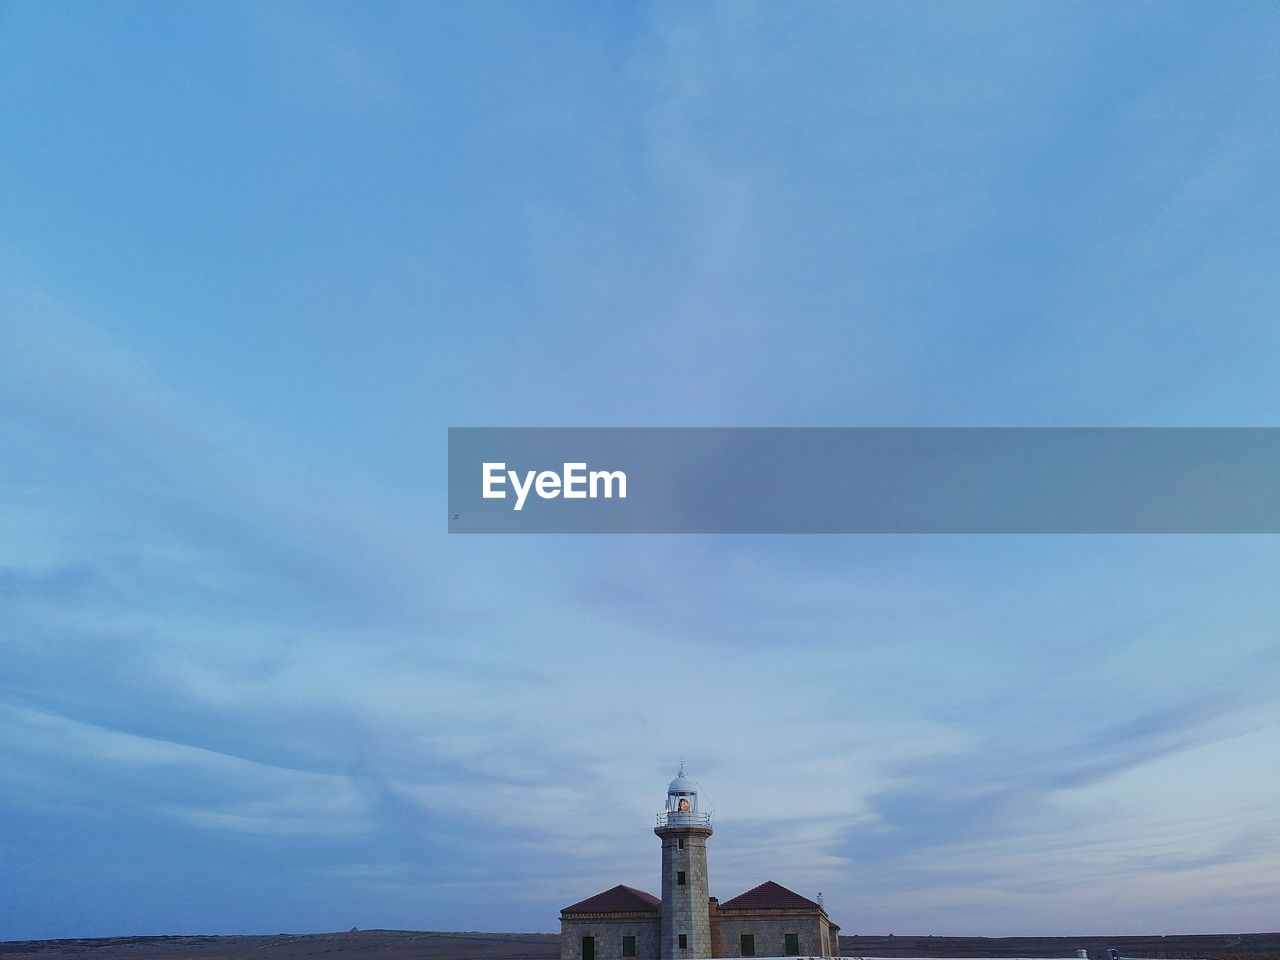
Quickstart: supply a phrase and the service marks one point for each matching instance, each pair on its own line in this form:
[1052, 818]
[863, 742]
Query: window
[679, 878]
[793, 944]
[748, 943]
[588, 948]
[684, 941]
[680, 843]
[628, 946]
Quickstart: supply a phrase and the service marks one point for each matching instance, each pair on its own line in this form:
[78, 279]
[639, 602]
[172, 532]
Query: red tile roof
[769, 896]
[619, 899]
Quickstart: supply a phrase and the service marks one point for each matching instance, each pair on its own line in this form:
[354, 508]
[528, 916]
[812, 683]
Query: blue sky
[255, 259]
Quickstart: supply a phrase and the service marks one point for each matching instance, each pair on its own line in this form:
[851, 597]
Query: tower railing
[685, 819]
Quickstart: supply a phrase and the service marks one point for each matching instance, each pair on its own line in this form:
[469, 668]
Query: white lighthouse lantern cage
[682, 804]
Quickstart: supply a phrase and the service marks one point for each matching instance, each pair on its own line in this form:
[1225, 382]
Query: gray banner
[864, 480]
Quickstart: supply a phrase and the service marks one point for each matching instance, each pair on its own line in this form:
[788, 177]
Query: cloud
[201, 786]
[173, 499]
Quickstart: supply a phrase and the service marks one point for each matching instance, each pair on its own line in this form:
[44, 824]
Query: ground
[410, 945]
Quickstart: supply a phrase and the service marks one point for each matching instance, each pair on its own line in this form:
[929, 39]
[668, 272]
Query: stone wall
[608, 930]
[770, 933]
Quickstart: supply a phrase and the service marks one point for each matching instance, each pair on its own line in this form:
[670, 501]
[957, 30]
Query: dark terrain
[409, 945]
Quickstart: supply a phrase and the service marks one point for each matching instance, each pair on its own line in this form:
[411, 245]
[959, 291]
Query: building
[686, 923]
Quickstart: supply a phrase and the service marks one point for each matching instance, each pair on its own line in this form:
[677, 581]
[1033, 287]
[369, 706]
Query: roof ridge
[617, 899]
[770, 895]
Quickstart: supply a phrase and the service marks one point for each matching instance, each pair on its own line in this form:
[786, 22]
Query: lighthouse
[685, 930]
[625, 923]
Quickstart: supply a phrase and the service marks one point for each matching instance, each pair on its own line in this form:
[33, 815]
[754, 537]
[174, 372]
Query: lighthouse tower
[686, 924]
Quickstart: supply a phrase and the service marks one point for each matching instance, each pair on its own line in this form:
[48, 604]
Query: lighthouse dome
[682, 784]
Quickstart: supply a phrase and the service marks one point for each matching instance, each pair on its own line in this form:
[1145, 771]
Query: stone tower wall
[684, 907]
